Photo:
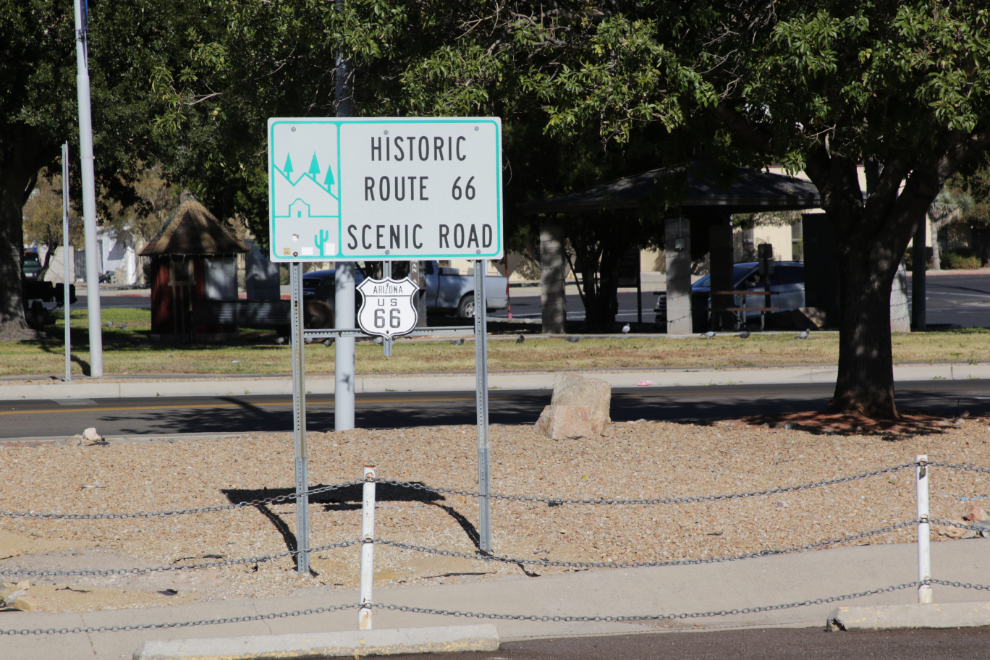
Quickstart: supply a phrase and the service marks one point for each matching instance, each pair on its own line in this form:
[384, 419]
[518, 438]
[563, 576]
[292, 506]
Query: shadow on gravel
[348, 498]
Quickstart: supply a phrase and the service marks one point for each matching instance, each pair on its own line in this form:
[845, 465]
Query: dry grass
[129, 352]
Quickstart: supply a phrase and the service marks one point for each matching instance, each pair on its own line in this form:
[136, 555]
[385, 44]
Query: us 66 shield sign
[362, 189]
[386, 308]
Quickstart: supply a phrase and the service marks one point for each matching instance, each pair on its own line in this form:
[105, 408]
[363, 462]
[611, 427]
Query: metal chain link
[645, 564]
[184, 567]
[957, 466]
[177, 512]
[512, 617]
[181, 624]
[557, 501]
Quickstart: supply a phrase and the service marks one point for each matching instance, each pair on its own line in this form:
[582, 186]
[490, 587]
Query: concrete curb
[419, 383]
[944, 615]
[352, 643]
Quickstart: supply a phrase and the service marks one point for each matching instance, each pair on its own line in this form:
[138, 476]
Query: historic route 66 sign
[387, 307]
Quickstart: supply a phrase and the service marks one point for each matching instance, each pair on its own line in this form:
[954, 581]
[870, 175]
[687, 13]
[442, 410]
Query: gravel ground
[640, 460]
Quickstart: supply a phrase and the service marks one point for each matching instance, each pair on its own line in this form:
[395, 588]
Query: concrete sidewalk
[775, 580]
[324, 383]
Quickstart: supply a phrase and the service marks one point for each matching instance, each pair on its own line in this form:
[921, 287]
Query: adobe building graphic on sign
[305, 199]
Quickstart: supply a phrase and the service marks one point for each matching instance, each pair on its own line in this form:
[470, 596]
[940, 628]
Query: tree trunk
[865, 382]
[936, 256]
[13, 325]
[21, 159]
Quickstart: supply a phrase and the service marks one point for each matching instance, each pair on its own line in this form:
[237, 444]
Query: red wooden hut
[193, 257]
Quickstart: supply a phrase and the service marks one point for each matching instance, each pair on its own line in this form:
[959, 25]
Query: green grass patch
[129, 351]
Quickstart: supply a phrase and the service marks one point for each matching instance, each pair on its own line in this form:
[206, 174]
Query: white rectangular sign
[348, 189]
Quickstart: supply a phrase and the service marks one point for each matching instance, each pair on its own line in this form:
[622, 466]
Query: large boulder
[564, 423]
[592, 393]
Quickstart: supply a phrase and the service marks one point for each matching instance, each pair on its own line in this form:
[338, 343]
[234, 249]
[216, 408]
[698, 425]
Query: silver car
[787, 282]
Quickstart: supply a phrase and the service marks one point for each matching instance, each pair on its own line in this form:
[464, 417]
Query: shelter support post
[552, 285]
[677, 246]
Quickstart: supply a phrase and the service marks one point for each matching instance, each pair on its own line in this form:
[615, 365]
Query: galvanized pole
[299, 419]
[387, 344]
[367, 547]
[343, 361]
[481, 377]
[66, 298]
[89, 193]
[924, 536]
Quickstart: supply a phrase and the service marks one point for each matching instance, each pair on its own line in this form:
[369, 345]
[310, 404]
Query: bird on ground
[803, 335]
[123, 326]
[328, 342]
[743, 335]
[521, 339]
[574, 340]
[109, 324]
[458, 341]
[626, 329]
[710, 334]
[379, 341]
[308, 340]
[280, 340]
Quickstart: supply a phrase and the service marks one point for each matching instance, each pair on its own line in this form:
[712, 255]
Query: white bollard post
[924, 536]
[367, 548]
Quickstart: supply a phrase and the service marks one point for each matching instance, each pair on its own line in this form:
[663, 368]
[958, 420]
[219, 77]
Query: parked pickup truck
[447, 291]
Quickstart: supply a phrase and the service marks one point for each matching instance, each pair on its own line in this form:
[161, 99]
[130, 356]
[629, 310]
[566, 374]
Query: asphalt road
[952, 299]
[240, 414]
[762, 644]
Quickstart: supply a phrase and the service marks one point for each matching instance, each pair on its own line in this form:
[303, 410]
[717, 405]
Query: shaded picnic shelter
[193, 259]
[700, 224]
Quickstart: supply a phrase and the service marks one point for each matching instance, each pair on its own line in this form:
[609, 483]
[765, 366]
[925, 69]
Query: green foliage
[960, 259]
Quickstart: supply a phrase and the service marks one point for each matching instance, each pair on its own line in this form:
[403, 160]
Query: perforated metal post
[481, 377]
[66, 283]
[924, 536]
[387, 344]
[299, 419]
[367, 547]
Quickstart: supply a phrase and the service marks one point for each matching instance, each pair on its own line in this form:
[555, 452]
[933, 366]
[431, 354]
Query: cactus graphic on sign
[387, 308]
[321, 238]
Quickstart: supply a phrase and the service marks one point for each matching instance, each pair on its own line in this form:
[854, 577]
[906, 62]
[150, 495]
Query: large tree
[822, 86]
[128, 43]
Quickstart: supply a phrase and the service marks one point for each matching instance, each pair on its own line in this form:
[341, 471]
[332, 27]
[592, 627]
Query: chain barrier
[958, 466]
[181, 624]
[182, 567]
[178, 512]
[645, 564]
[502, 617]
[557, 501]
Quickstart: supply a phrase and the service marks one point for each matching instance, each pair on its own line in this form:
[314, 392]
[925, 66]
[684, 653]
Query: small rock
[975, 513]
[791, 426]
[25, 605]
[91, 435]
[781, 504]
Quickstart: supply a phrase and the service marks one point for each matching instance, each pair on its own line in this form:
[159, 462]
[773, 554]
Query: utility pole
[88, 191]
[343, 363]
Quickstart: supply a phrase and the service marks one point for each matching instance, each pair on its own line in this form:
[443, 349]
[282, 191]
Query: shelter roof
[191, 229]
[748, 191]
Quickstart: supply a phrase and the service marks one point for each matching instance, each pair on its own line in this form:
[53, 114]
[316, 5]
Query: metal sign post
[66, 294]
[299, 419]
[481, 377]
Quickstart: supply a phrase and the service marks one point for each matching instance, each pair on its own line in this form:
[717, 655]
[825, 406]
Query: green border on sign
[338, 122]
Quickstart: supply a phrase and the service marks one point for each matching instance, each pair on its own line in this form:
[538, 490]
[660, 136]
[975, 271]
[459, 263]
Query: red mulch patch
[911, 422]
